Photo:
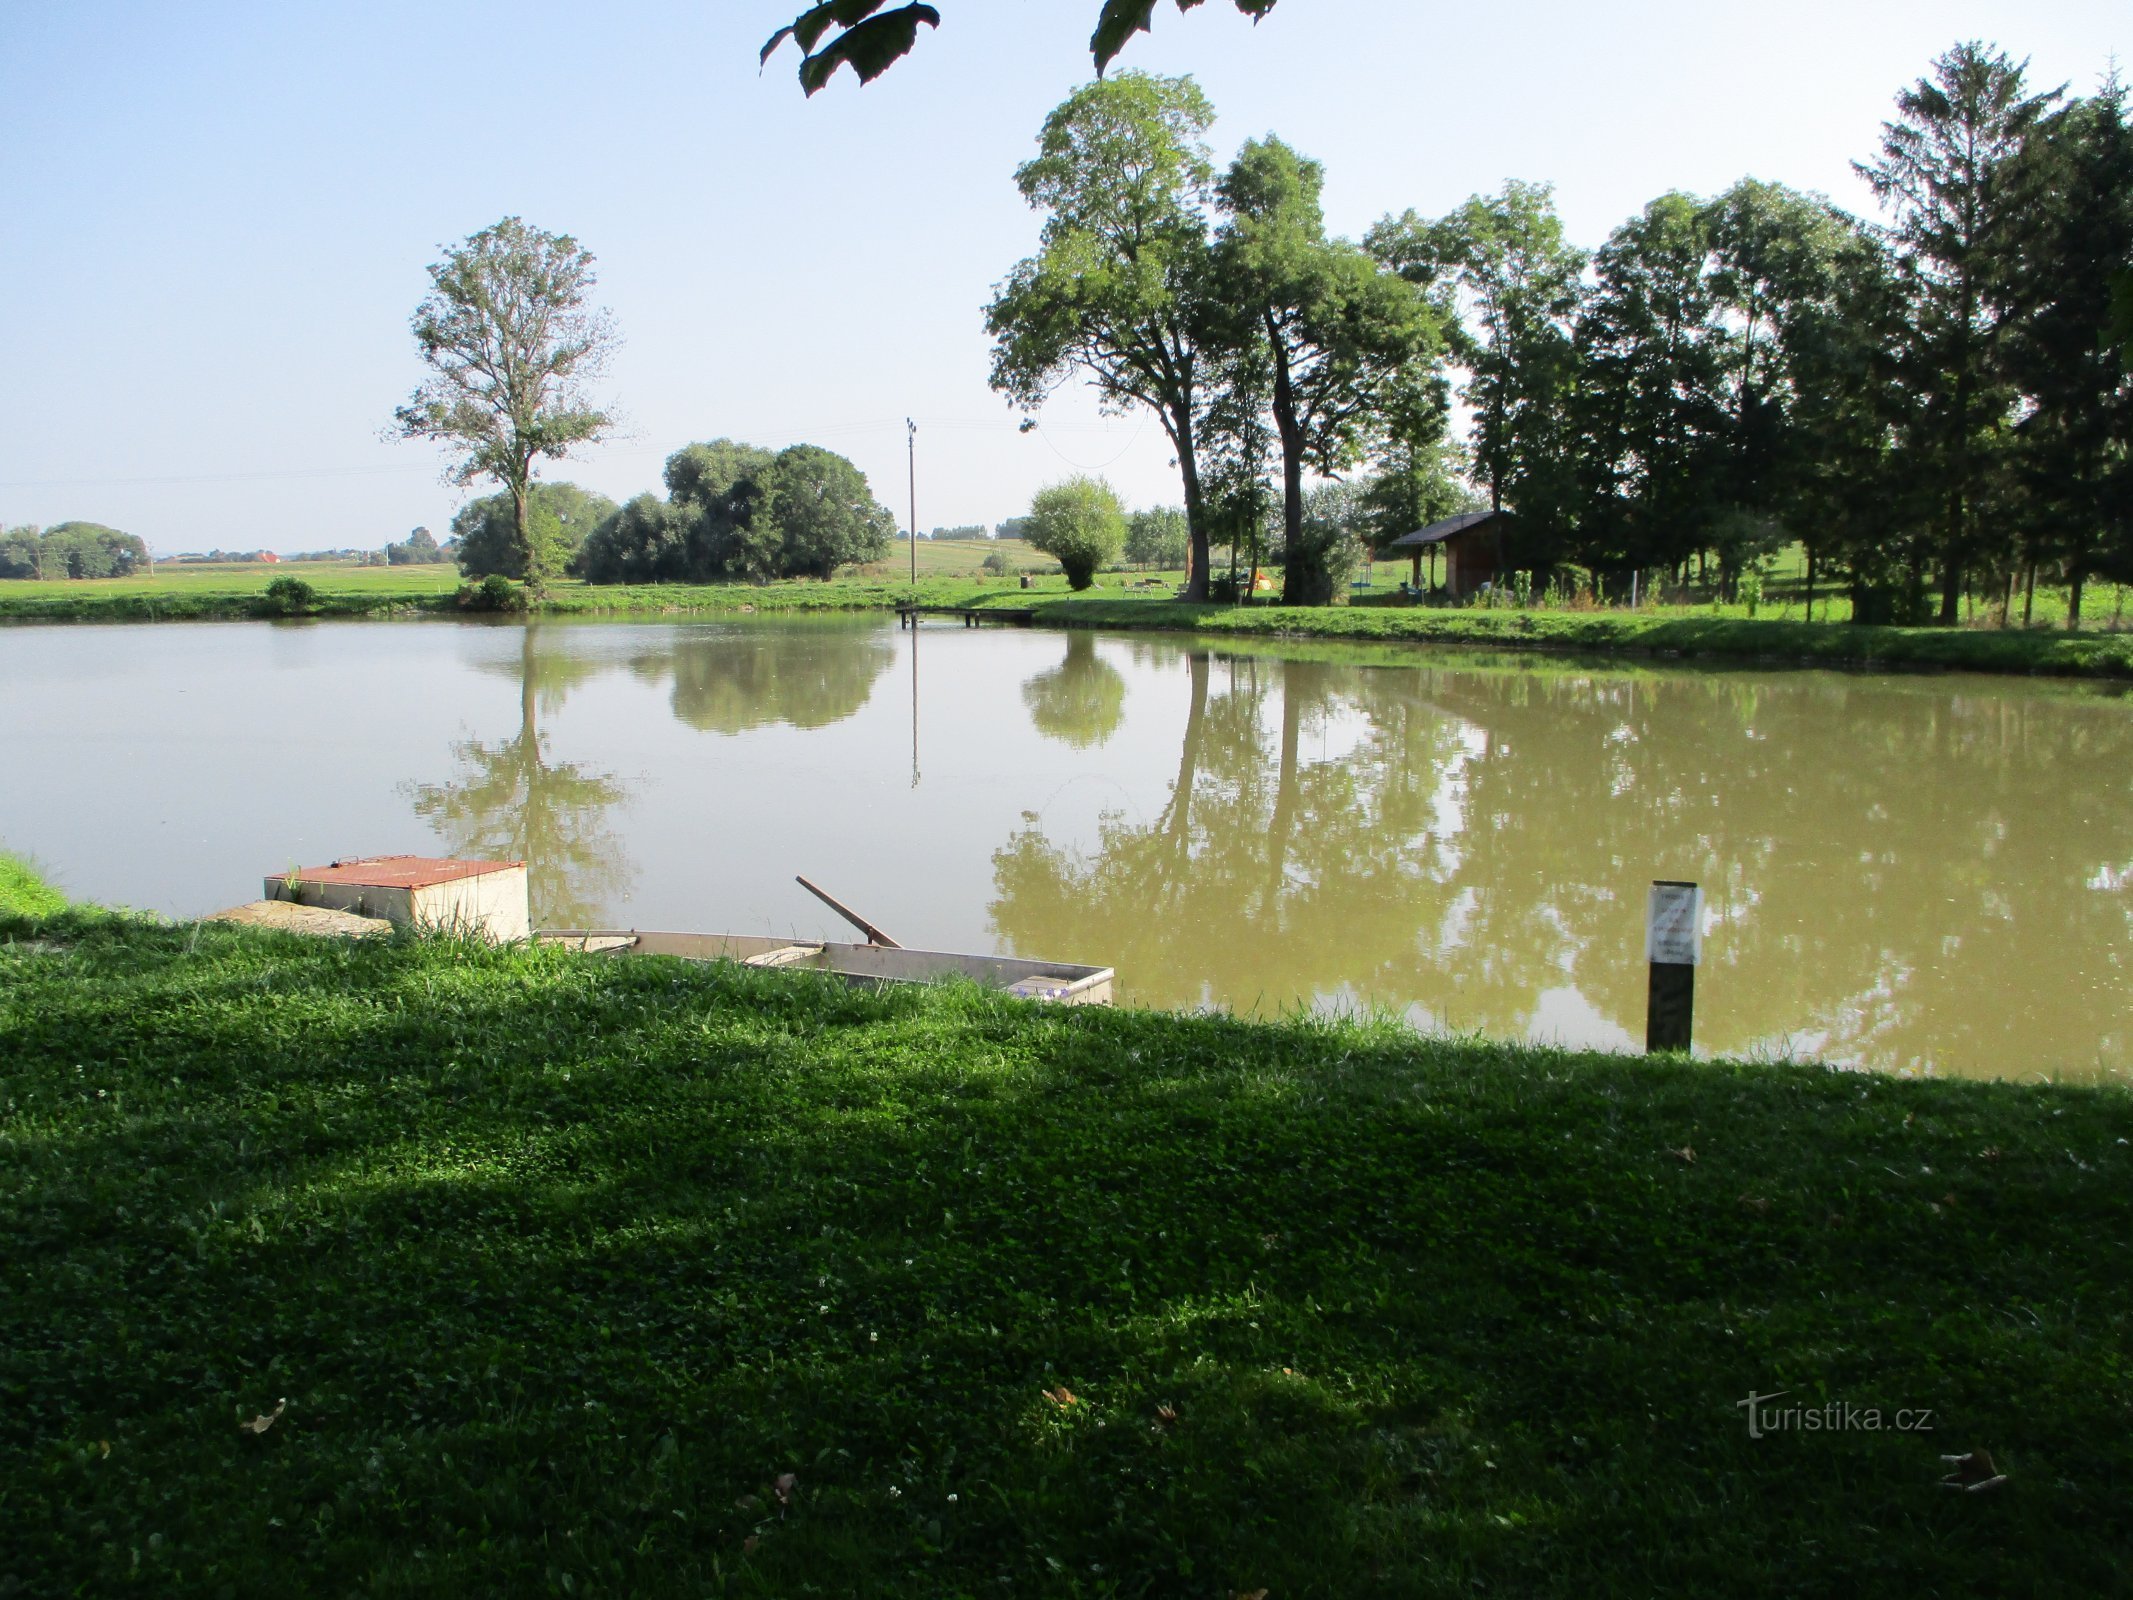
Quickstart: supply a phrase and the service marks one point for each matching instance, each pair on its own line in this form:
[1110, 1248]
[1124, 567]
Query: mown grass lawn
[626, 1277]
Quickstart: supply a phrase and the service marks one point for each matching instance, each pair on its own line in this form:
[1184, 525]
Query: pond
[1909, 873]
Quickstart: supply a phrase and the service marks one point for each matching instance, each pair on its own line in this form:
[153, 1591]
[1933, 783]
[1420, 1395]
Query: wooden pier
[1020, 616]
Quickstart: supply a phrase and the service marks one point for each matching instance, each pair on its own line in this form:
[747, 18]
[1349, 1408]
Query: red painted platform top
[401, 872]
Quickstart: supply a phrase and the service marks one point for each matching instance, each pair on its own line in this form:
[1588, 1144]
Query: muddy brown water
[1907, 873]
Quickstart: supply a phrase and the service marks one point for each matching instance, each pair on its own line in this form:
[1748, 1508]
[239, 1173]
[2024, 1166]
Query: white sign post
[1673, 925]
[1673, 945]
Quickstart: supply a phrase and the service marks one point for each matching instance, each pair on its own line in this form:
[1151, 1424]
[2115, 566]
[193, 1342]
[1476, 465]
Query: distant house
[265, 555]
[1473, 546]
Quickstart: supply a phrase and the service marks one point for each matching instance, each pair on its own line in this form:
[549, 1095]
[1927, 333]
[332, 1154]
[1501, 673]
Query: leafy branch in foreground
[871, 40]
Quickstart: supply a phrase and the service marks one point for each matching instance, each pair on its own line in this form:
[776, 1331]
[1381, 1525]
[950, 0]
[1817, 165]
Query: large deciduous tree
[1786, 270]
[1117, 286]
[1343, 338]
[1652, 424]
[487, 529]
[2074, 442]
[1512, 285]
[511, 345]
[822, 511]
[1945, 175]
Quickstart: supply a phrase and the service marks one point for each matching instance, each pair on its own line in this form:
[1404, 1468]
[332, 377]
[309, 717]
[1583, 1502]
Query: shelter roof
[1438, 532]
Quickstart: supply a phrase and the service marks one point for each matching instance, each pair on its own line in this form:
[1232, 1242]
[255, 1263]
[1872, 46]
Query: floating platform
[1058, 981]
[1020, 616]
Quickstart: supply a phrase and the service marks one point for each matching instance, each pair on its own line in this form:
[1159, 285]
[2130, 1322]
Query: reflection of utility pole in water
[914, 702]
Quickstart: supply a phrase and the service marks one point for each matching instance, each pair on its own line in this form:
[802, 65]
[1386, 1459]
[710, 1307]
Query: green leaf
[1120, 20]
[868, 47]
[809, 26]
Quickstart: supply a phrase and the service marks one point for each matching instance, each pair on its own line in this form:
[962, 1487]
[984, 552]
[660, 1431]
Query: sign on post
[1673, 924]
[1673, 945]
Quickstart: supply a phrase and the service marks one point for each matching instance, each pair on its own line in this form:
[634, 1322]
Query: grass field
[559, 1276]
[948, 576]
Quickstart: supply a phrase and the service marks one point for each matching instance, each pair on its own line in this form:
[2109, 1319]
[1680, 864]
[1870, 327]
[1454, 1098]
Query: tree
[76, 550]
[869, 40]
[1944, 174]
[486, 529]
[1787, 272]
[737, 512]
[1080, 524]
[1512, 284]
[822, 512]
[511, 346]
[1342, 335]
[1652, 425]
[2074, 443]
[717, 488]
[19, 556]
[1157, 537]
[419, 548]
[647, 541]
[1115, 289]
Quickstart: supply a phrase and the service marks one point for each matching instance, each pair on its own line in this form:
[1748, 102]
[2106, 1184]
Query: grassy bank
[1122, 600]
[1686, 633]
[631, 1278]
[24, 893]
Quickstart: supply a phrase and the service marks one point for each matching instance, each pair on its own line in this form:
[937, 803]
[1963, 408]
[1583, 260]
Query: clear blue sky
[217, 215]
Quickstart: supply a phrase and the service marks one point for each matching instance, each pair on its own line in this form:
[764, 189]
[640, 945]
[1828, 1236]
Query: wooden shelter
[1473, 545]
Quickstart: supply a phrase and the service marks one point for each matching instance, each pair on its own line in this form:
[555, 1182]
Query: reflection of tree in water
[809, 677]
[1899, 869]
[1081, 701]
[509, 801]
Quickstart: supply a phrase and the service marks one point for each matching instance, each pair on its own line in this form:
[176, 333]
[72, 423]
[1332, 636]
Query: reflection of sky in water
[1914, 873]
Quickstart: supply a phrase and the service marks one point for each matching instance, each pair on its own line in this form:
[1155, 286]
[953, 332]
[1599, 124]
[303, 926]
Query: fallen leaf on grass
[265, 1419]
[784, 1487]
[748, 1545]
[1685, 1154]
[1972, 1472]
[1756, 1202]
[1165, 1415]
[1062, 1397]
[1991, 1152]
[748, 1502]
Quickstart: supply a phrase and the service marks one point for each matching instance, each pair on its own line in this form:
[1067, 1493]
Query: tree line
[732, 513]
[1932, 404]
[71, 550]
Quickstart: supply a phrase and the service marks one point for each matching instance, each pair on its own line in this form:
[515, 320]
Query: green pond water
[1926, 874]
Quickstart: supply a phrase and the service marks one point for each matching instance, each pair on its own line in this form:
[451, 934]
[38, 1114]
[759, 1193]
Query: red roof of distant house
[400, 872]
[268, 555]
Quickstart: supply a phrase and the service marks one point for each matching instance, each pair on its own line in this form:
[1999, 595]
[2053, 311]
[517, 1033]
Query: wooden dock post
[1673, 945]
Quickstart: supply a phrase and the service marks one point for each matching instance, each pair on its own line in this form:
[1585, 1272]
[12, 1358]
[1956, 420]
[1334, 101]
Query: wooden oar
[874, 934]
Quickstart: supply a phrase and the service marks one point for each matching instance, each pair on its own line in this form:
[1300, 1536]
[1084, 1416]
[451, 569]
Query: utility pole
[913, 443]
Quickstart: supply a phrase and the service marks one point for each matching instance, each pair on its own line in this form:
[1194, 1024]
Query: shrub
[290, 597]
[997, 564]
[1079, 523]
[494, 593]
[1749, 588]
